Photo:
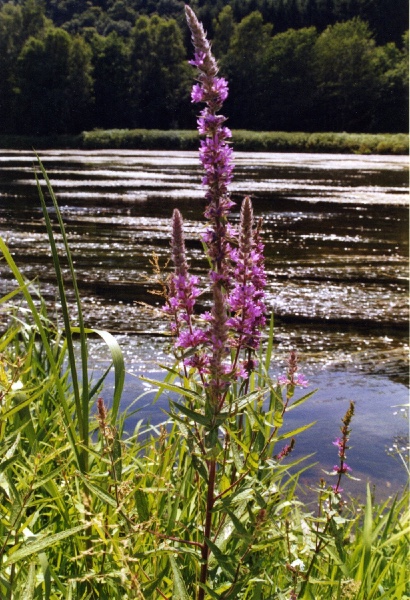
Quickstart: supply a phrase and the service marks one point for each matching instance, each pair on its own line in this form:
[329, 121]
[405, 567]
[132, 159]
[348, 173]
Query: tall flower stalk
[215, 152]
[216, 348]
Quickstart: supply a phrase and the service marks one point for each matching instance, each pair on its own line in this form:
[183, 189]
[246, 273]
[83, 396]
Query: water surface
[336, 235]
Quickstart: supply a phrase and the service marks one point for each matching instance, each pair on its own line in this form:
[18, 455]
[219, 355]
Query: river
[336, 235]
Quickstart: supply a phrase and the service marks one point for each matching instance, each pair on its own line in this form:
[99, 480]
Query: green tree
[55, 86]
[245, 65]
[393, 97]
[289, 100]
[43, 72]
[79, 88]
[160, 74]
[111, 62]
[11, 28]
[17, 23]
[347, 77]
[224, 28]
[34, 19]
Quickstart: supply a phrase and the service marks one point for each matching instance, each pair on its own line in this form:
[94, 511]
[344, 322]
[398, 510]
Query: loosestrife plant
[218, 354]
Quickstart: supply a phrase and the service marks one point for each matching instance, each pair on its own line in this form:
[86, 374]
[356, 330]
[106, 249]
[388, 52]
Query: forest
[293, 65]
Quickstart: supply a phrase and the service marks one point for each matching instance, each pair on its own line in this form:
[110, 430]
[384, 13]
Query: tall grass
[88, 511]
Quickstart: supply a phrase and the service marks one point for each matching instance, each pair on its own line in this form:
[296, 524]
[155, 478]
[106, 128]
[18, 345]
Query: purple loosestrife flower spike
[204, 59]
[246, 300]
[178, 244]
[341, 444]
[215, 153]
[182, 289]
[292, 377]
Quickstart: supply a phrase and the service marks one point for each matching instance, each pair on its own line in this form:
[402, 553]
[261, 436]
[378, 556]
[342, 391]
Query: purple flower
[246, 299]
[343, 468]
[198, 60]
[197, 93]
[300, 380]
[292, 377]
[215, 153]
[297, 379]
[191, 339]
[220, 345]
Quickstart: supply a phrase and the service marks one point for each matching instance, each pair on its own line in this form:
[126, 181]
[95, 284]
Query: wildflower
[342, 468]
[292, 377]
[246, 299]
[191, 339]
[182, 289]
[215, 153]
[286, 450]
[298, 379]
[237, 276]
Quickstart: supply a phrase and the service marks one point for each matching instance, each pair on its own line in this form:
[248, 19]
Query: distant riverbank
[255, 141]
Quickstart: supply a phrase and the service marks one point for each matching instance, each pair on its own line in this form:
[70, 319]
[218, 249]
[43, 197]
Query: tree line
[123, 64]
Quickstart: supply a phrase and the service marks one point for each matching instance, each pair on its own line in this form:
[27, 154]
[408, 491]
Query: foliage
[126, 64]
[159, 74]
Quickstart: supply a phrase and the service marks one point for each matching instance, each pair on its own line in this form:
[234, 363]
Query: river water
[336, 235]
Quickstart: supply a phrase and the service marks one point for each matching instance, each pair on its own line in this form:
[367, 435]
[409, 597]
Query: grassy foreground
[263, 141]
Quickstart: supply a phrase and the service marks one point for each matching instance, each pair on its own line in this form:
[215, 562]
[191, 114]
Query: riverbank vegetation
[66, 67]
[250, 141]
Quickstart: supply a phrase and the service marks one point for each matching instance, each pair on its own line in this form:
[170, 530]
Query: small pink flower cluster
[292, 378]
[341, 443]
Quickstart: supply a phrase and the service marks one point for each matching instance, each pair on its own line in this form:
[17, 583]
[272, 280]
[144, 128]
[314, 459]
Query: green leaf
[300, 401]
[99, 492]
[240, 528]
[119, 368]
[278, 419]
[195, 416]
[117, 457]
[142, 505]
[367, 531]
[294, 432]
[42, 544]
[180, 591]
[29, 588]
[82, 416]
[177, 389]
[223, 560]
[268, 353]
[150, 587]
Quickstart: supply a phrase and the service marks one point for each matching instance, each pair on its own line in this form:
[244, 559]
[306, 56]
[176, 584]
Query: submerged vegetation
[208, 504]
